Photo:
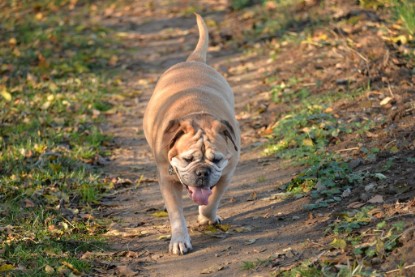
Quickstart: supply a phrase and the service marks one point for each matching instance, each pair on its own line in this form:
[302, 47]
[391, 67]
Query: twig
[389, 143]
[390, 90]
[399, 269]
[348, 149]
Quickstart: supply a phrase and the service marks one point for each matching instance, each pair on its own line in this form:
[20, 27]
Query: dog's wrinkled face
[201, 164]
[199, 154]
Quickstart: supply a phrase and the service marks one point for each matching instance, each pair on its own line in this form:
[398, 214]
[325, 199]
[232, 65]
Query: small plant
[248, 265]
[306, 269]
[373, 4]
[351, 221]
[240, 4]
[405, 11]
[304, 135]
[286, 93]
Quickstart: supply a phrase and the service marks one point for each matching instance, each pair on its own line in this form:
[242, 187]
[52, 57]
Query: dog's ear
[228, 132]
[174, 130]
[172, 133]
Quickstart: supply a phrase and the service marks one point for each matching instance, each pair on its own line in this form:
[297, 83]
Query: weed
[351, 221]
[261, 179]
[306, 269]
[405, 11]
[285, 93]
[303, 136]
[373, 4]
[248, 265]
[239, 4]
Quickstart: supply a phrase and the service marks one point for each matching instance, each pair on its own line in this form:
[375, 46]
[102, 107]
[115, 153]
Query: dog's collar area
[171, 170]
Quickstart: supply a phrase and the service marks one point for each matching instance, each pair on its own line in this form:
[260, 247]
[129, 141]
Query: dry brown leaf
[125, 271]
[376, 199]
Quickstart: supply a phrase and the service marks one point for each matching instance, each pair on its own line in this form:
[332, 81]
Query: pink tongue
[200, 195]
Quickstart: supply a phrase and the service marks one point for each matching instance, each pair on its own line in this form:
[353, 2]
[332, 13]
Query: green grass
[249, 265]
[405, 11]
[303, 137]
[57, 71]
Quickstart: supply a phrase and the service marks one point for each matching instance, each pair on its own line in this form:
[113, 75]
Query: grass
[57, 71]
[405, 11]
[249, 265]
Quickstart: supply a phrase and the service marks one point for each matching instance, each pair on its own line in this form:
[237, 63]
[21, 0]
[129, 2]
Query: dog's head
[199, 148]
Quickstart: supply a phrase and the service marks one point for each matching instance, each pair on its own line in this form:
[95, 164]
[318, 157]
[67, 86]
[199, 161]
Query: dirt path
[259, 226]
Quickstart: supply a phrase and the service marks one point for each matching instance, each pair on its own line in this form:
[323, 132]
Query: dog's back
[196, 84]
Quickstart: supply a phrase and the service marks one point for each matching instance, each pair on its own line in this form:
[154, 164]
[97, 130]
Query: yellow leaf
[39, 148]
[12, 42]
[71, 267]
[339, 243]
[46, 105]
[49, 269]
[17, 52]
[243, 229]
[164, 237]
[160, 214]
[6, 95]
[39, 16]
[223, 227]
[6, 267]
[402, 39]
[308, 142]
[113, 60]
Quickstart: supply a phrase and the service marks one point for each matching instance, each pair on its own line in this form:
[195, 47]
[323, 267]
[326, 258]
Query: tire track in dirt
[261, 227]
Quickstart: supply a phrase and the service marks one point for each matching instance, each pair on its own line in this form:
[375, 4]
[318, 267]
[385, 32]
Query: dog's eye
[216, 160]
[188, 159]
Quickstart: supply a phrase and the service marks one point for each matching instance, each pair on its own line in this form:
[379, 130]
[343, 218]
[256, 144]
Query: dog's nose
[203, 172]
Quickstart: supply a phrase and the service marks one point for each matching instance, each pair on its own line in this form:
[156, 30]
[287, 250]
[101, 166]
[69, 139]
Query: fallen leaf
[212, 269]
[252, 197]
[49, 269]
[113, 60]
[376, 199]
[164, 237]
[6, 267]
[380, 176]
[308, 142]
[223, 227]
[71, 267]
[6, 95]
[355, 205]
[243, 229]
[125, 271]
[28, 203]
[249, 242]
[12, 42]
[160, 214]
[124, 232]
[339, 244]
[386, 101]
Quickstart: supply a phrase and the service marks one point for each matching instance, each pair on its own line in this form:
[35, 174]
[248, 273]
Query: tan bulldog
[191, 128]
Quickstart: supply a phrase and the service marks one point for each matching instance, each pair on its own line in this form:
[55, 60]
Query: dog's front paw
[203, 220]
[180, 244]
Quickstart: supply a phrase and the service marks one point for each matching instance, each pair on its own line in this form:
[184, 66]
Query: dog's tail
[199, 54]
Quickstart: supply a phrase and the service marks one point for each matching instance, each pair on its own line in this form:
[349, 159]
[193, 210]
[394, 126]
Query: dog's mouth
[199, 195]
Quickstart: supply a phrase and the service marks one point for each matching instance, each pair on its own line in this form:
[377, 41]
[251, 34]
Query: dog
[190, 126]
